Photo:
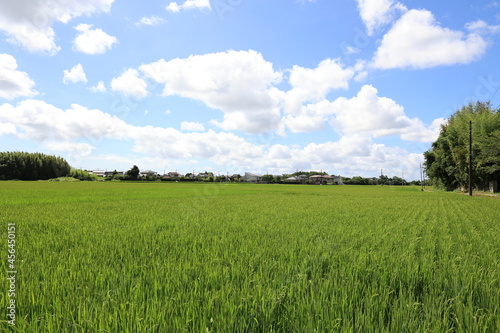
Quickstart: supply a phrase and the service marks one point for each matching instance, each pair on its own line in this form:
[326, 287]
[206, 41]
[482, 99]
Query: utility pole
[470, 157]
[421, 177]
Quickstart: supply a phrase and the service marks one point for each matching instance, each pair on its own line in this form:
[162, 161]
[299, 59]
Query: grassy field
[137, 257]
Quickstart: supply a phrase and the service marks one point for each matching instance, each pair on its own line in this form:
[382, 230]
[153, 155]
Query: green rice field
[209, 257]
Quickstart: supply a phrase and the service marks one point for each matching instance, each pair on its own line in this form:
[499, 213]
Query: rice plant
[156, 257]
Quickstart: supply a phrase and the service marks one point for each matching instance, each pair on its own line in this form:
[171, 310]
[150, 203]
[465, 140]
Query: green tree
[268, 178]
[133, 173]
[448, 159]
[32, 166]
[383, 180]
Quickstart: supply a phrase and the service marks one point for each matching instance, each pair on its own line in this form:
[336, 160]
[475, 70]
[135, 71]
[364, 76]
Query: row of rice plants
[118, 257]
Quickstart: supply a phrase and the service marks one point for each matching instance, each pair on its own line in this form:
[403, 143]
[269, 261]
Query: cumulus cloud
[174, 7]
[192, 126]
[170, 143]
[482, 27]
[309, 85]
[29, 23]
[418, 131]
[239, 83]
[312, 117]
[352, 155]
[365, 114]
[7, 128]
[305, 122]
[377, 13]
[80, 149]
[257, 121]
[40, 121]
[130, 84]
[99, 88]
[150, 21]
[64, 130]
[75, 75]
[14, 83]
[92, 41]
[416, 40]
[369, 114]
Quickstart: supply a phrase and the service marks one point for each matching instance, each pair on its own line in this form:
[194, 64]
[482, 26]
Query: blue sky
[229, 86]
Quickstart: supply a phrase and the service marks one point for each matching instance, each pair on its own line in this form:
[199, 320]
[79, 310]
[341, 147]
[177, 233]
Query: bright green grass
[132, 257]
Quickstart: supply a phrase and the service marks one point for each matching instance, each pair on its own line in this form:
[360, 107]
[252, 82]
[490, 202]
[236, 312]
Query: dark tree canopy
[31, 166]
[134, 172]
[447, 161]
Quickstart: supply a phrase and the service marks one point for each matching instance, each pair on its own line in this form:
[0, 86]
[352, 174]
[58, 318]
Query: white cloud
[192, 126]
[347, 147]
[419, 132]
[482, 27]
[7, 128]
[99, 88]
[64, 130]
[309, 85]
[354, 155]
[240, 84]
[417, 41]
[80, 149]
[33, 39]
[312, 117]
[40, 121]
[14, 83]
[369, 114]
[377, 13]
[92, 41]
[150, 21]
[361, 76]
[75, 75]
[130, 84]
[351, 49]
[174, 7]
[365, 114]
[256, 121]
[29, 23]
[305, 122]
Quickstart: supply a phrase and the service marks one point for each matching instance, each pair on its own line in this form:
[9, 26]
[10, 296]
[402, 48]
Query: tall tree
[31, 166]
[448, 159]
[133, 173]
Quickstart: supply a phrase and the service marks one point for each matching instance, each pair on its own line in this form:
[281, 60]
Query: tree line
[447, 162]
[32, 166]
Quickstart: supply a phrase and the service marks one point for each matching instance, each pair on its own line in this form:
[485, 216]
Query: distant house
[200, 175]
[296, 179]
[146, 173]
[98, 173]
[110, 173]
[321, 179]
[174, 174]
[250, 177]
